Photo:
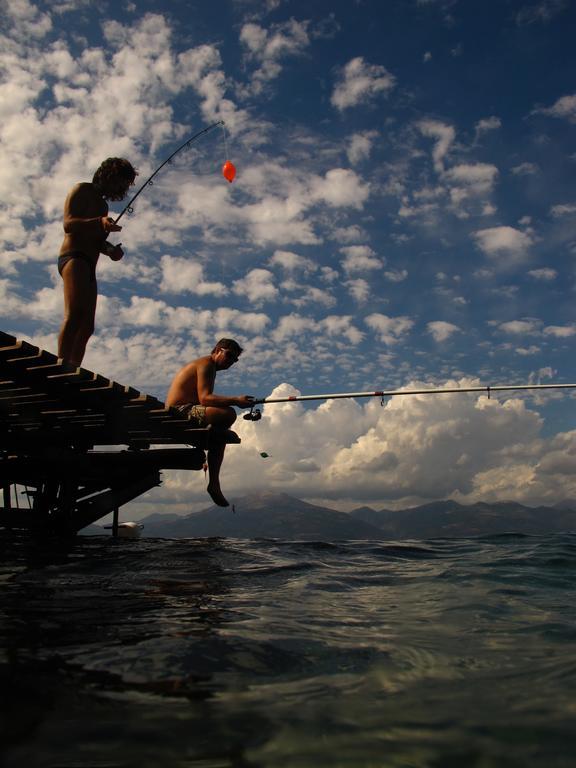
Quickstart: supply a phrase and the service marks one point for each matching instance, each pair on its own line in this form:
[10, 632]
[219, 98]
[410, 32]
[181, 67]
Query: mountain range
[278, 515]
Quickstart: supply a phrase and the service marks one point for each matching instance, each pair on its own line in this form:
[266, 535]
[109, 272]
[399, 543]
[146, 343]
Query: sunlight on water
[269, 653]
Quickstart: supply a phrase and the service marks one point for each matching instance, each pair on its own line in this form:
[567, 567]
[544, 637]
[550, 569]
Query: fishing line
[255, 414]
[225, 135]
[128, 208]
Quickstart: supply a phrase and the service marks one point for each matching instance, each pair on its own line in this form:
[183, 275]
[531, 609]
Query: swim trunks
[64, 258]
[195, 413]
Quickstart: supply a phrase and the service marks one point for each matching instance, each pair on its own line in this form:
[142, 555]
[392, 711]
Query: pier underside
[75, 446]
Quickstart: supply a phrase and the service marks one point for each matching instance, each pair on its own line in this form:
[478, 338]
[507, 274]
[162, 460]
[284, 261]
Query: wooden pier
[79, 443]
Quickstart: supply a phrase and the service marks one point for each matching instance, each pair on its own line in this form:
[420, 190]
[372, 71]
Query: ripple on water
[274, 653]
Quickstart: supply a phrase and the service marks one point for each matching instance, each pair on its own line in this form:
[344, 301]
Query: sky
[403, 214]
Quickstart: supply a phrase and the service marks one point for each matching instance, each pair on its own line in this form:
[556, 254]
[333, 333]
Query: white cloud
[292, 262]
[479, 177]
[359, 289]
[351, 234]
[390, 330]
[340, 188]
[360, 146]
[359, 258]
[415, 449]
[296, 326]
[187, 276]
[441, 330]
[359, 82]
[444, 136]
[488, 124]
[564, 107]
[469, 182]
[506, 243]
[396, 275]
[525, 169]
[564, 209]
[258, 286]
[309, 295]
[545, 274]
[268, 47]
[560, 331]
[521, 327]
[542, 11]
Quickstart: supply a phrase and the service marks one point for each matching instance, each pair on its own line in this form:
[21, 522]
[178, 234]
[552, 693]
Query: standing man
[192, 393]
[86, 227]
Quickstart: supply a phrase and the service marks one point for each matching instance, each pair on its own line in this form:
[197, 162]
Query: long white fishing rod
[128, 208]
[254, 415]
[394, 392]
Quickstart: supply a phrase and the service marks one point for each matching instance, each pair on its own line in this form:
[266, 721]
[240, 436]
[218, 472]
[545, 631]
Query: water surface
[216, 653]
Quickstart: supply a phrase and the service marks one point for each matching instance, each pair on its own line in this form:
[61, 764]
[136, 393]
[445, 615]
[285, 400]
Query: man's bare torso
[184, 388]
[84, 202]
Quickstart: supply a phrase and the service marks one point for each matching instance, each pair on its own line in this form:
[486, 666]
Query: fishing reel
[253, 415]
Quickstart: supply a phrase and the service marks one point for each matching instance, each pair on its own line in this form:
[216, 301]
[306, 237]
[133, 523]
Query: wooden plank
[44, 400]
[20, 349]
[6, 340]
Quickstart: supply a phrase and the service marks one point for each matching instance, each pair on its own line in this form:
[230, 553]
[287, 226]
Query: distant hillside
[265, 515]
[270, 515]
[448, 518]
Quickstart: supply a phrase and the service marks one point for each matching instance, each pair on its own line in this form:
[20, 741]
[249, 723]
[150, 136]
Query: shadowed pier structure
[79, 443]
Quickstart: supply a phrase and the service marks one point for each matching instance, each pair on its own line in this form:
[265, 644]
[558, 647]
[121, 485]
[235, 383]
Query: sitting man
[192, 393]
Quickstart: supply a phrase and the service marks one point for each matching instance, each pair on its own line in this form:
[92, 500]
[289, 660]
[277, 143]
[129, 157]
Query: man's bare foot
[217, 496]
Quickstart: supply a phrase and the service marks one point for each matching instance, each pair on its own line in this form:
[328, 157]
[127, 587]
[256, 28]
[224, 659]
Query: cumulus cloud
[545, 274]
[564, 108]
[268, 47]
[360, 258]
[333, 326]
[395, 275]
[563, 209]
[444, 137]
[187, 276]
[441, 330]
[560, 331]
[340, 187]
[257, 286]
[351, 234]
[488, 124]
[359, 82]
[292, 262]
[525, 169]
[542, 11]
[504, 243]
[359, 289]
[470, 181]
[360, 146]
[415, 449]
[389, 330]
[521, 327]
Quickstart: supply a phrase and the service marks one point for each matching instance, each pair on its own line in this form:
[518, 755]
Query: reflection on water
[269, 653]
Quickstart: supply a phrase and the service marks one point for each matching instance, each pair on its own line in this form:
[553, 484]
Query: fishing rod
[255, 414]
[186, 145]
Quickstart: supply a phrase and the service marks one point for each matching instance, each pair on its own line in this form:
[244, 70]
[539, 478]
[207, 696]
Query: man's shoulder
[199, 362]
[202, 362]
[84, 188]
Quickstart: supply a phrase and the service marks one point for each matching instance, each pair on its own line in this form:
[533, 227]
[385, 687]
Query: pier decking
[80, 443]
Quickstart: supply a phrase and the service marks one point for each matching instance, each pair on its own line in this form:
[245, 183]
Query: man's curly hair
[113, 167]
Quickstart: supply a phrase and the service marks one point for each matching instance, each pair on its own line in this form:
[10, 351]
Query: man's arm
[206, 375]
[80, 204]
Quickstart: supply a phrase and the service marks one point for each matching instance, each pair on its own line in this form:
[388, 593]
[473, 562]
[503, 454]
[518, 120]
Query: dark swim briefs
[194, 413]
[64, 258]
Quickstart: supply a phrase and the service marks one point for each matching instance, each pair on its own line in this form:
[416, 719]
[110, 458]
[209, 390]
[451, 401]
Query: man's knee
[81, 321]
[229, 416]
[221, 417]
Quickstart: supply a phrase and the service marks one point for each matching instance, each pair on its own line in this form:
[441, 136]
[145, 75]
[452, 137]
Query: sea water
[215, 653]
